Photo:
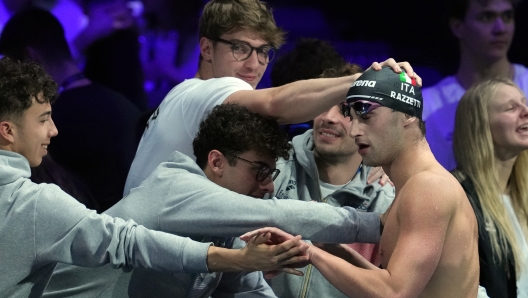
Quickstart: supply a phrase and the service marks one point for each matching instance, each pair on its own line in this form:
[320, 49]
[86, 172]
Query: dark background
[367, 31]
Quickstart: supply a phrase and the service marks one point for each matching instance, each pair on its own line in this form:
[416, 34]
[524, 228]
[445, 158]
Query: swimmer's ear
[409, 120]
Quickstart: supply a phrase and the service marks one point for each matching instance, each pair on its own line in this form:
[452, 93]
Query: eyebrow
[513, 101]
[45, 114]
[262, 163]
[241, 41]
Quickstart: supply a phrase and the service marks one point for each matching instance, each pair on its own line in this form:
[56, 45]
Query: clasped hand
[274, 251]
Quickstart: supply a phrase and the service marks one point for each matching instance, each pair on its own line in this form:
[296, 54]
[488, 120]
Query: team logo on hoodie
[291, 185]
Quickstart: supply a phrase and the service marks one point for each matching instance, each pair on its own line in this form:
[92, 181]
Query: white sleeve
[175, 123]
[209, 94]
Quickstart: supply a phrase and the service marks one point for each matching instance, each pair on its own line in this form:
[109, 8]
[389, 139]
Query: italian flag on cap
[405, 78]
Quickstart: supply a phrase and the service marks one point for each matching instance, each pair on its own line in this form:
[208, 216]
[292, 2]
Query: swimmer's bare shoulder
[430, 237]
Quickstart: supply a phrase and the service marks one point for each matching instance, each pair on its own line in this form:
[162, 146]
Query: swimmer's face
[378, 135]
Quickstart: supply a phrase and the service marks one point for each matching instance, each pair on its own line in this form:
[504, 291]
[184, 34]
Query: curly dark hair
[233, 129]
[20, 82]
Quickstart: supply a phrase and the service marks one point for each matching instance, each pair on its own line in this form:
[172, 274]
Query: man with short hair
[429, 243]
[484, 29]
[41, 225]
[324, 166]
[237, 40]
[236, 152]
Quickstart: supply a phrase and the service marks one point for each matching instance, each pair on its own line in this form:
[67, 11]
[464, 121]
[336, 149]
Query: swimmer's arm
[304, 100]
[346, 253]
[415, 257]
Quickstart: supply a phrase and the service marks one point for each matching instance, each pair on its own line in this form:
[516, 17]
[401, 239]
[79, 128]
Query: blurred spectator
[98, 126]
[307, 60]
[490, 147]
[68, 12]
[484, 29]
[111, 48]
[169, 49]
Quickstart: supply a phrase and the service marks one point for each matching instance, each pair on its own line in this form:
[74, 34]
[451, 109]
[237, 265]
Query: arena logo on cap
[365, 83]
[406, 79]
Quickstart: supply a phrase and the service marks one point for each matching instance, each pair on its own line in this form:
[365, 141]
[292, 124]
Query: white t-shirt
[174, 124]
[522, 277]
[440, 103]
[328, 189]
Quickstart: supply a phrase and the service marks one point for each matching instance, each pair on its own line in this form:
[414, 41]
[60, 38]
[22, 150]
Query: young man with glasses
[237, 40]
[211, 200]
[429, 243]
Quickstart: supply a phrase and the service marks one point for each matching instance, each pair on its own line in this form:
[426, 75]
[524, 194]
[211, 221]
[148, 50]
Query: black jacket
[499, 280]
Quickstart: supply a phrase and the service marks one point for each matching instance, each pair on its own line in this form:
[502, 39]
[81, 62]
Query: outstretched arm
[303, 100]
[346, 253]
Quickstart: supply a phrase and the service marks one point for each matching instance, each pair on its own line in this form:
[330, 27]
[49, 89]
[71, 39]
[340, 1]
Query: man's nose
[252, 61]
[354, 131]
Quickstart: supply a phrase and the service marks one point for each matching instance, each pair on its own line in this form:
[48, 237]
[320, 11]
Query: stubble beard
[333, 154]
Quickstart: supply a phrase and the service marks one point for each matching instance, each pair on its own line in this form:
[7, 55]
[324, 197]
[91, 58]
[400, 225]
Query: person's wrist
[221, 259]
[313, 254]
[239, 260]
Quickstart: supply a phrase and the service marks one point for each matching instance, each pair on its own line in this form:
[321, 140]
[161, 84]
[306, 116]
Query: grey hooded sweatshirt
[178, 198]
[41, 225]
[299, 180]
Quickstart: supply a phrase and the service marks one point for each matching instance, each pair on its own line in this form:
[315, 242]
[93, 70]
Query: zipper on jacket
[212, 286]
[307, 275]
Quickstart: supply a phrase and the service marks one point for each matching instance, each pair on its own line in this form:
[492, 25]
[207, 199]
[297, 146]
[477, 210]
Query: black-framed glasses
[263, 172]
[242, 50]
[360, 107]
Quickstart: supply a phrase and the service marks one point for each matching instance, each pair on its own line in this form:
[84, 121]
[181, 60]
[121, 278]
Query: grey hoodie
[41, 225]
[299, 179]
[178, 198]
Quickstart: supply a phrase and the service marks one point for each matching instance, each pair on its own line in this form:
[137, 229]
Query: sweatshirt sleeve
[67, 232]
[196, 206]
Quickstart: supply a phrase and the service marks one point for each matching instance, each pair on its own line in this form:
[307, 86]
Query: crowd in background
[115, 62]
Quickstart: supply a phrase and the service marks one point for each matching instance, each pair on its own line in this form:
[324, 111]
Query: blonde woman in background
[490, 142]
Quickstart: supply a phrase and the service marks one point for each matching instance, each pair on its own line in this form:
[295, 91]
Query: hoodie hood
[299, 179]
[303, 147]
[13, 167]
